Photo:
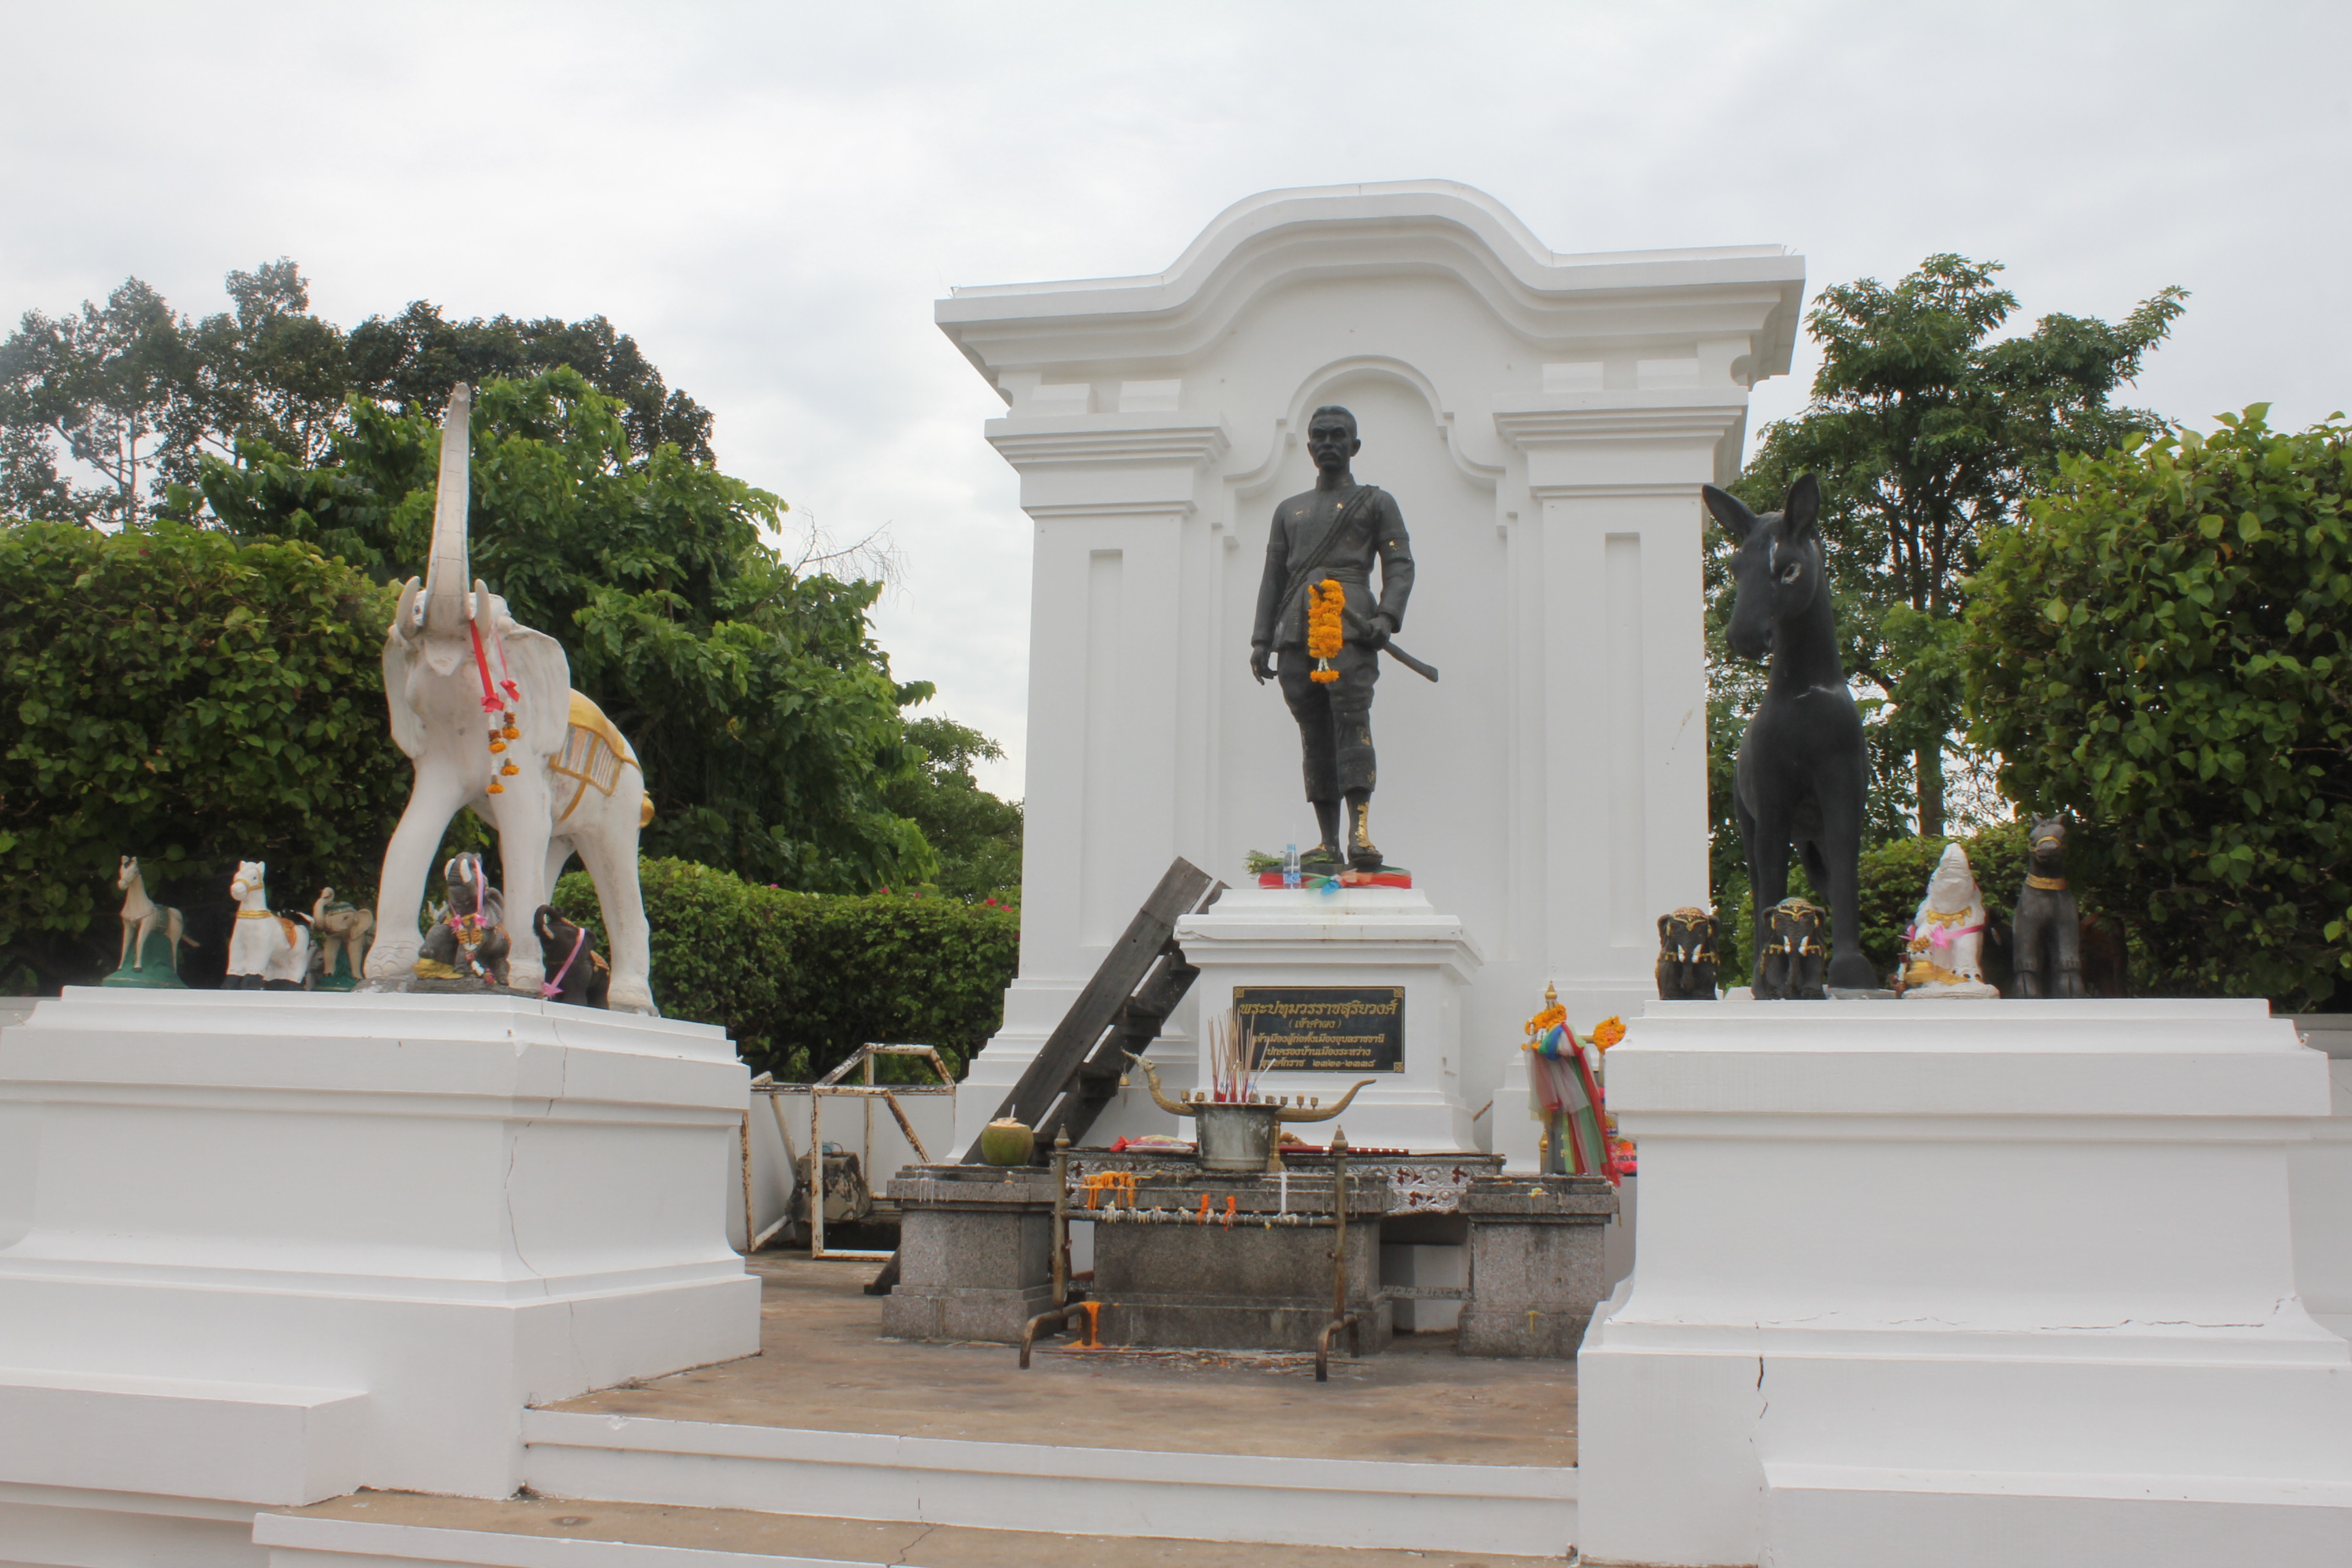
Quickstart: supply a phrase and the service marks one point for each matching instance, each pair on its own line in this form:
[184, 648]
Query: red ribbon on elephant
[490, 703]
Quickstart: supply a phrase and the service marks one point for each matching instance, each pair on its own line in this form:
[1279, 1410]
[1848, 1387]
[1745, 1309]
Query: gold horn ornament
[1282, 1114]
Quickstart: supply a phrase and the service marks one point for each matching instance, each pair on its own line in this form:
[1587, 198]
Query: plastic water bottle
[1290, 877]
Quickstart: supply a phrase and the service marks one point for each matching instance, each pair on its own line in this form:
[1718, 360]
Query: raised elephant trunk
[1282, 1114]
[446, 573]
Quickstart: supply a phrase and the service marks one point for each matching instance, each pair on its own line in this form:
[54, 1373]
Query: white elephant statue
[484, 707]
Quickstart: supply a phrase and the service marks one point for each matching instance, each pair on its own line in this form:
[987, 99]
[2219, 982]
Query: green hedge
[801, 980]
[193, 700]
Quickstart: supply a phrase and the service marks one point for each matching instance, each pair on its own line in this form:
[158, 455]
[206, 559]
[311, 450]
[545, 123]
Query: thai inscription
[1325, 1028]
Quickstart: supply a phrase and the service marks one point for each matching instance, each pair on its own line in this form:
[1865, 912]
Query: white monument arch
[1544, 421]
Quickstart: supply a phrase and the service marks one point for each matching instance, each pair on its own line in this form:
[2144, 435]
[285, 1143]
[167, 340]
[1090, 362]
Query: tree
[1926, 428]
[976, 835]
[141, 394]
[266, 371]
[110, 384]
[191, 700]
[414, 358]
[765, 716]
[2164, 650]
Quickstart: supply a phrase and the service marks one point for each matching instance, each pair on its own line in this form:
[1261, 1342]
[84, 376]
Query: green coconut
[1006, 1142]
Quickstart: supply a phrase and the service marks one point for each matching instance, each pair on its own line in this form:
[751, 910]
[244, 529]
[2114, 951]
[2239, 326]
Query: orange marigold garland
[1325, 634]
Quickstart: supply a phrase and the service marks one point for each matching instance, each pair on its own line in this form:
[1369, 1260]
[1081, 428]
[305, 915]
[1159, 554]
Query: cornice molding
[1080, 440]
[1677, 490]
[1089, 510]
[1533, 427]
[1556, 302]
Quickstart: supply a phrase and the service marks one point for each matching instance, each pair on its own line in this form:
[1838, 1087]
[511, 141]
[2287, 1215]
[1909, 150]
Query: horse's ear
[1800, 514]
[1729, 512]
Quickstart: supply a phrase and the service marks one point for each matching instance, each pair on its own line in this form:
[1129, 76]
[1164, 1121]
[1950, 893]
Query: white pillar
[1615, 579]
[1112, 499]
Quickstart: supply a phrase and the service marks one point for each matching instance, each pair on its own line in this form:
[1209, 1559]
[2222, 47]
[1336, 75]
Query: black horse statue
[576, 971]
[1801, 772]
[1687, 961]
[2047, 945]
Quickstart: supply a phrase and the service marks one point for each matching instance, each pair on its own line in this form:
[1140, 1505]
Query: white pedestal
[1965, 1282]
[261, 1249]
[1355, 938]
[2322, 1171]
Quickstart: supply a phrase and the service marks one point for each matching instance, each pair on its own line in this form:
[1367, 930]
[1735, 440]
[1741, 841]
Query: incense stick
[1235, 1060]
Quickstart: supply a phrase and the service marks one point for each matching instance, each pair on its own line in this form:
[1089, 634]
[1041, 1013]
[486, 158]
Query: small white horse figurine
[140, 915]
[265, 950]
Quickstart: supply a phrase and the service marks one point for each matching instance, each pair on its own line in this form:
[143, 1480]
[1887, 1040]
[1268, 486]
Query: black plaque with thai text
[1324, 1029]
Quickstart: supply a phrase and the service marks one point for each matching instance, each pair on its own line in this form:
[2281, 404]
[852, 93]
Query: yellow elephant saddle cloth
[593, 755]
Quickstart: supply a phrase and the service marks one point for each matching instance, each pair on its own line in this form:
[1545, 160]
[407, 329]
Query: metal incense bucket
[1237, 1137]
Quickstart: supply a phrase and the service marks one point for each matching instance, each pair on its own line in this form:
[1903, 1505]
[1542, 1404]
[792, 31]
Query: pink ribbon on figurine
[1943, 936]
[547, 988]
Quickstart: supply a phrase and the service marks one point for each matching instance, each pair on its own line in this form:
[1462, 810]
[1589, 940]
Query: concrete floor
[859, 1540]
[822, 1366]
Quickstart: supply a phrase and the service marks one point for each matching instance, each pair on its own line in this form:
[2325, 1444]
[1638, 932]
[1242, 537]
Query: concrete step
[1851, 1516]
[1459, 1509]
[399, 1529]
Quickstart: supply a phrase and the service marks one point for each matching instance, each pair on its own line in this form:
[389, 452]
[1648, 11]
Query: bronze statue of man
[1333, 533]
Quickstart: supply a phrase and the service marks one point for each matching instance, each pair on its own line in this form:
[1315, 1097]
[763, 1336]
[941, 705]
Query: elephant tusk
[1152, 1079]
[1289, 1115]
[404, 618]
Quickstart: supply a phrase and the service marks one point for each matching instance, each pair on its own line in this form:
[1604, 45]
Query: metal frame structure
[868, 1091]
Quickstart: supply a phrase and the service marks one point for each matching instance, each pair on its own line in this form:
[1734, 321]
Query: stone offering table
[975, 1252]
[1187, 1258]
[1184, 1258]
[1536, 1271]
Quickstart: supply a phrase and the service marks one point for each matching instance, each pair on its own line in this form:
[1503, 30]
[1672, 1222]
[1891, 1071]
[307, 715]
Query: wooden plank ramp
[1121, 1009]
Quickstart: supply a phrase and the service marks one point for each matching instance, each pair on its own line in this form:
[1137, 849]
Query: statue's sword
[1426, 671]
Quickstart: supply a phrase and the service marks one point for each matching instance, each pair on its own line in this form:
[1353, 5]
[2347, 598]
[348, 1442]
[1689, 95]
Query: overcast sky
[771, 196]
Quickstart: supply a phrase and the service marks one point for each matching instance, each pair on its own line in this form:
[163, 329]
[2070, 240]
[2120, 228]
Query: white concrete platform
[260, 1248]
[2019, 1275]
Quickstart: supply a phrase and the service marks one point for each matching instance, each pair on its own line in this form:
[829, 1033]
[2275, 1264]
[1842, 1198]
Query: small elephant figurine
[1792, 961]
[341, 930]
[2047, 929]
[469, 942]
[576, 971]
[1687, 961]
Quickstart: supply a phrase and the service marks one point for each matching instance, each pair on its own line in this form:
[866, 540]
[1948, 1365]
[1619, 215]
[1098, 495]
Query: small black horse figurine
[1801, 771]
[575, 972]
[1687, 962]
[2047, 944]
